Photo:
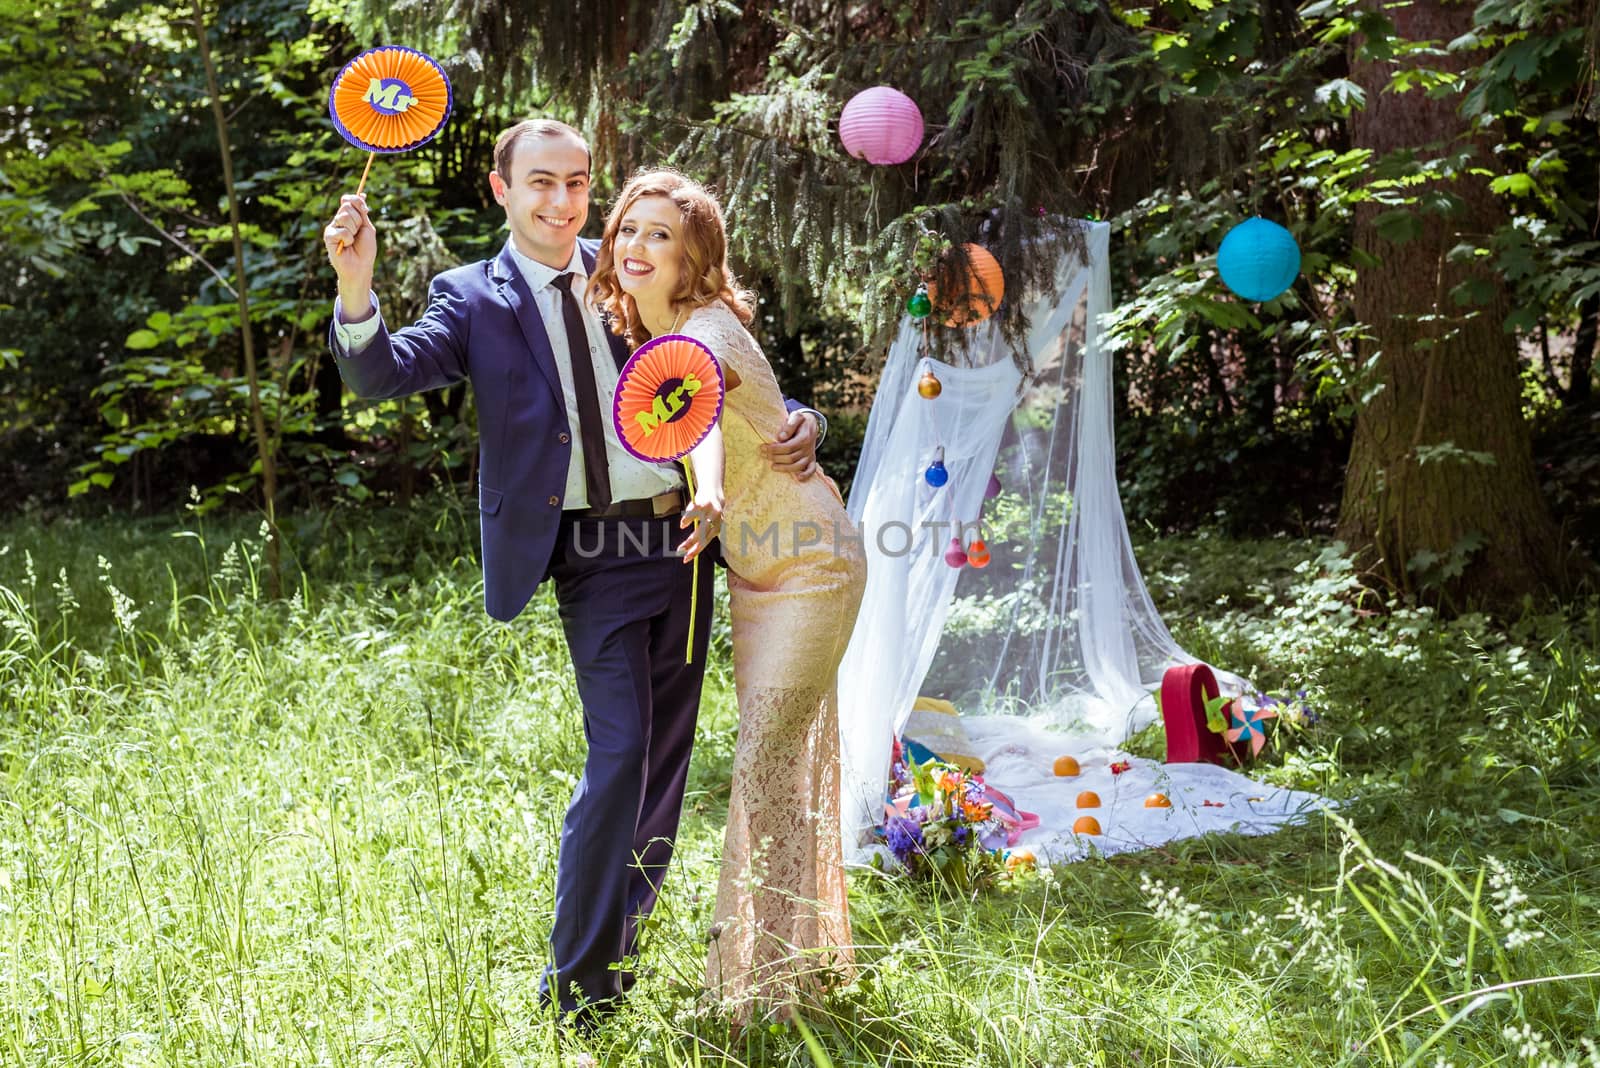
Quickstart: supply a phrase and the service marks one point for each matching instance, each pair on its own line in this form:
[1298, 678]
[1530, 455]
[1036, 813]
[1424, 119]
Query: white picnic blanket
[1020, 758]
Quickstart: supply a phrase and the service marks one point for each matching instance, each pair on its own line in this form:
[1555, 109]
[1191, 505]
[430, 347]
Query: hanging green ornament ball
[919, 306]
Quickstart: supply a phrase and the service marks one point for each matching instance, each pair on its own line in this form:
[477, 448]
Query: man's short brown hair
[506, 145]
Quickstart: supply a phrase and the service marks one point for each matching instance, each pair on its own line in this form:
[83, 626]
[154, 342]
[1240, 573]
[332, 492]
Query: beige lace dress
[796, 572]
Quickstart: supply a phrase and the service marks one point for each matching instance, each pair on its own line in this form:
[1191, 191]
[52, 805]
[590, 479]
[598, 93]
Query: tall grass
[322, 831]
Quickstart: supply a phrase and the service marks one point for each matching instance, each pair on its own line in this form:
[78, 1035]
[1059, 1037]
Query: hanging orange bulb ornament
[981, 290]
[929, 385]
[978, 553]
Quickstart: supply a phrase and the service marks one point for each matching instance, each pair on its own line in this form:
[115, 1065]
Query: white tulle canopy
[1058, 629]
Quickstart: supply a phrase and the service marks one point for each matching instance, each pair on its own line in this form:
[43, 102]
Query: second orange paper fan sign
[668, 398]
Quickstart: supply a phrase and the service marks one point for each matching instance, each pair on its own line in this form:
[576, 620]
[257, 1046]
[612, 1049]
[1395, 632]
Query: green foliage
[1173, 120]
[134, 361]
[323, 829]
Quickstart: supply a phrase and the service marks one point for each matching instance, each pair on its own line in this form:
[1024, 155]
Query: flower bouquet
[940, 826]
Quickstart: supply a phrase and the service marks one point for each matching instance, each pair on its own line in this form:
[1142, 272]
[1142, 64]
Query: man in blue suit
[560, 498]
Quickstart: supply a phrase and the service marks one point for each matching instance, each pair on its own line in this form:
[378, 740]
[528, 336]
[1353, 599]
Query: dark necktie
[597, 474]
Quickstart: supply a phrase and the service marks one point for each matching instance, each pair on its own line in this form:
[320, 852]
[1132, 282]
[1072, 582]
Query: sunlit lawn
[322, 830]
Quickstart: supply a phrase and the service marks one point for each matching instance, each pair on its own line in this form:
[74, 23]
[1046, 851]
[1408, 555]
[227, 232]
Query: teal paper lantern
[1258, 259]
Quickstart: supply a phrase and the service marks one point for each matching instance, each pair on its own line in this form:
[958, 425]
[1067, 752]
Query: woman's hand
[706, 514]
[706, 459]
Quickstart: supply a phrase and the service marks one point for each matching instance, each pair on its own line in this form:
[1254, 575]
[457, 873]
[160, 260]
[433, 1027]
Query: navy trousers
[624, 603]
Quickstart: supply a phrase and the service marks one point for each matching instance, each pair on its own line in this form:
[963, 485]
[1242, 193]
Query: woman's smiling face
[649, 250]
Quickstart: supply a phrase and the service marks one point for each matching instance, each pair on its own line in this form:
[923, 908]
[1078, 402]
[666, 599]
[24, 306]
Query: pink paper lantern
[881, 125]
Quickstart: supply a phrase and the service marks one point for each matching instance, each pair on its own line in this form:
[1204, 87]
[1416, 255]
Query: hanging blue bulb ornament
[919, 306]
[936, 475]
[1258, 259]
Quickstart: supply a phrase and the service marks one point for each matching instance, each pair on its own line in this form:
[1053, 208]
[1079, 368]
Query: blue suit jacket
[482, 324]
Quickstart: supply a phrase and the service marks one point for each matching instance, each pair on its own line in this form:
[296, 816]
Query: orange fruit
[1066, 766]
[1088, 799]
[1158, 801]
[1086, 825]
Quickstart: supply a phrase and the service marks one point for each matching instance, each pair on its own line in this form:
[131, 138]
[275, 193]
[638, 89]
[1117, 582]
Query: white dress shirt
[631, 478]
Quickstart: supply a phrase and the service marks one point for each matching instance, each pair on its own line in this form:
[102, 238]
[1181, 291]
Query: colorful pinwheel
[1247, 725]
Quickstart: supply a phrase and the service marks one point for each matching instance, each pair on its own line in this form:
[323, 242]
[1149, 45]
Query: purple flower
[960, 835]
[904, 838]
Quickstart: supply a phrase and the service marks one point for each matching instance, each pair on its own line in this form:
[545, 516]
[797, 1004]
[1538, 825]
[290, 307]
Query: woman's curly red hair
[704, 277]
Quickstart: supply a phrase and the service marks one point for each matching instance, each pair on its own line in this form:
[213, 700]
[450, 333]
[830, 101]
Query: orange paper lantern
[1086, 825]
[1066, 766]
[984, 289]
[1088, 799]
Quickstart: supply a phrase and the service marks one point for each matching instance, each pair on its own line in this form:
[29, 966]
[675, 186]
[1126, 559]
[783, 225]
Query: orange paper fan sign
[668, 398]
[390, 99]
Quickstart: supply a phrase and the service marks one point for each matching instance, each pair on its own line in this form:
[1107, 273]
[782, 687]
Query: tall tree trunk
[1207, 352]
[266, 448]
[1449, 375]
[1581, 385]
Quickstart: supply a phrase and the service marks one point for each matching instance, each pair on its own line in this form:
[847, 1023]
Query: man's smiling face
[547, 196]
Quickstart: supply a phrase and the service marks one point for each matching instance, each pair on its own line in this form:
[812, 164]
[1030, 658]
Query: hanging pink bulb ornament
[955, 556]
[992, 490]
[881, 125]
[978, 553]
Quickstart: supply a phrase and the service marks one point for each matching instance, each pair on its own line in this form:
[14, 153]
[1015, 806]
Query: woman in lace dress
[796, 571]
